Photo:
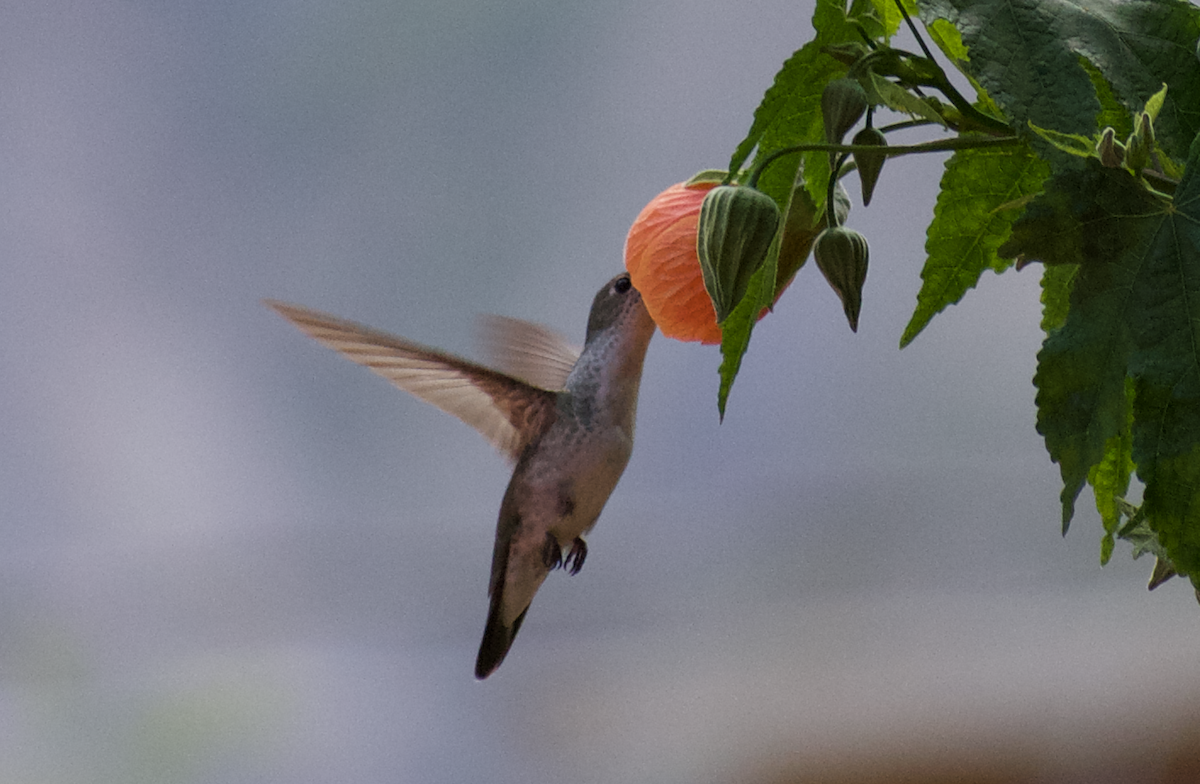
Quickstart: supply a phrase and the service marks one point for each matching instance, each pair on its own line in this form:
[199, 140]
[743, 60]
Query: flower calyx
[869, 163]
[737, 226]
[843, 103]
[841, 255]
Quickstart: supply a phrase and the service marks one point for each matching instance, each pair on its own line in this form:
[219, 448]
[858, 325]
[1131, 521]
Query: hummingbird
[563, 417]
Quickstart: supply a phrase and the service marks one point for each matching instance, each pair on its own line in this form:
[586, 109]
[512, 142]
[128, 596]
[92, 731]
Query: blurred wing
[529, 351]
[508, 412]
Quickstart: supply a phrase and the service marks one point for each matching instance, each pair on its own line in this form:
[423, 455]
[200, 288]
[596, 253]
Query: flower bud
[843, 103]
[869, 163]
[841, 255]
[1146, 126]
[802, 222]
[1110, 151]
[737, 225]
[1140, 144]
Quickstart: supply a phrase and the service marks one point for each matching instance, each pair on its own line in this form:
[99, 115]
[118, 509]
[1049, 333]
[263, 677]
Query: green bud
[1146, 126]
[842, 105]
[841, 255]
[869, 163]
[802, 222]
[737, 226]
[1140, 144]
[1110, 151]
[1137, 152]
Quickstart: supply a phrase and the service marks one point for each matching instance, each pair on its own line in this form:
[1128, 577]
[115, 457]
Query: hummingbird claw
[576, 556]
[552, 553]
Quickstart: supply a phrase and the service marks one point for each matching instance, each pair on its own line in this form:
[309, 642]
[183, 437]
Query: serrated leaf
[1056, 292]
[1088, 217]
[788, 103]
[949, 40]
[1166, 436]
[737, 328]
[789, 115]
[1138, 533]
[889, 15]
[967, 228]
[1070, 143]
[1021, 54]
[1134, 310]
[790, 112]
[1155, 103]
[898, 99]
[1110, 477]
[1112, 114]
[802, 223]
[880, 19]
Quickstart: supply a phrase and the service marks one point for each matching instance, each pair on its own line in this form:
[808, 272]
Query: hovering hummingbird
[564, 417]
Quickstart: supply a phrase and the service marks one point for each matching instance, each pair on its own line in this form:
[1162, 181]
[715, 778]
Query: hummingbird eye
[622, 284]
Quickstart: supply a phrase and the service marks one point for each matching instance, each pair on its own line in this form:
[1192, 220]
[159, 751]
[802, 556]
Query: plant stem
[930, 74]
[916, 33]
[938, 145]
[1160, 179]
[956, 98]
[831, 219]
[899, 126]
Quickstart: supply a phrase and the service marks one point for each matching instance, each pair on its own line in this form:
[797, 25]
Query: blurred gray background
[229, 555]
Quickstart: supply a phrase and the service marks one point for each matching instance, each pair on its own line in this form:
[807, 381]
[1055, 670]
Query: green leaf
[1139, 534]
[1155, 104]
[1134, 311]
[801, 225]
[1092, 217]
[1057, 280]
[1166, 367]
[889, 15]
[880, 19]
[898, 99]
[968, 225]
[1111, 112]
[1107, 544]
[1110, 478]
[949, 40]
[1070, 143]
[790, 112]
[737, 328]
[1025, 53]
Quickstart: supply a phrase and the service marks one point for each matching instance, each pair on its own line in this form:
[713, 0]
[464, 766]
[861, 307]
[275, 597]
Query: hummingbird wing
[528, 351]
[507, 411]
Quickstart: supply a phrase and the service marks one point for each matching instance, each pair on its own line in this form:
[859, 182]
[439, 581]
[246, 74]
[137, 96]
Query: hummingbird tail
[497, 639]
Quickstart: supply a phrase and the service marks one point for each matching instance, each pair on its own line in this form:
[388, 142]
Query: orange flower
[660, 254]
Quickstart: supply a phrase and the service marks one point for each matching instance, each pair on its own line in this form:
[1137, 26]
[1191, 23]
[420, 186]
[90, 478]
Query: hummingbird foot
[576, 556]
[552, 554]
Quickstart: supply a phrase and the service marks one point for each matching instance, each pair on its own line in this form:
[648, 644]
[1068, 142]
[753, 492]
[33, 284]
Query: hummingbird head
[619, 305]
[603, 385]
